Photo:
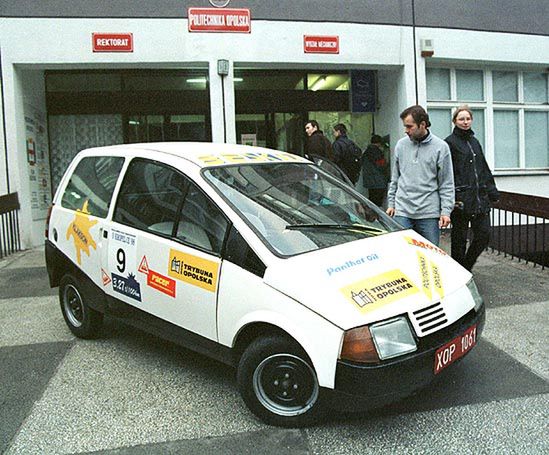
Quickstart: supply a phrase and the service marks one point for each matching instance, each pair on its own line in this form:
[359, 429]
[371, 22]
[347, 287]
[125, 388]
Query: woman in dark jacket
[475, 190]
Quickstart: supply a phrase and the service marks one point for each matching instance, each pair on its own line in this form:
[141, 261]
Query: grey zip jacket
[422, 179]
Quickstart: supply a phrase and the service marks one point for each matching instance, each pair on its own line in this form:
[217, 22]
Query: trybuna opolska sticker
[430, 277]
[193, 270]
[371, 293]
[79, 229]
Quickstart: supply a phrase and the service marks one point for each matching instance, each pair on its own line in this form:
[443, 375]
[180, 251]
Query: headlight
[475, 294]
[393, 338]
[383, 340]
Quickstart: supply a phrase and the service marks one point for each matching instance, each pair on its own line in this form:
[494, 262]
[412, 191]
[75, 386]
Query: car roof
[207, 154]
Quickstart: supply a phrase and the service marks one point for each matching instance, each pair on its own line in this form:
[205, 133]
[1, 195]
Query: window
[159, 199]
[91, 185]
[510, 112]
[201, 224]
[150, 197]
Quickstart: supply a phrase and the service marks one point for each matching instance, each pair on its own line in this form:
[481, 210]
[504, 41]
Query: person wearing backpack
[374, 171]
[347, 155]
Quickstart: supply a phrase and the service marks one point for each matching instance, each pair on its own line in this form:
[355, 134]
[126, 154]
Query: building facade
[76, 74]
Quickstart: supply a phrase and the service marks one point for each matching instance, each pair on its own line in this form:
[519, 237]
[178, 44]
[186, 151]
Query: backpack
[352, 160]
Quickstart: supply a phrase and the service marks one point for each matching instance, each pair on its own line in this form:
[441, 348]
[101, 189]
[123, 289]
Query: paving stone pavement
[129, 393]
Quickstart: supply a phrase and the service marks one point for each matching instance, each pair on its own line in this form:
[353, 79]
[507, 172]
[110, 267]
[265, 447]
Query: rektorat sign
[112, 42]
[228, 20]
[321, 44]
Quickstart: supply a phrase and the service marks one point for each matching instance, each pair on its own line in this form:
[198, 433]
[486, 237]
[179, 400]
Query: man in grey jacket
[421, 192]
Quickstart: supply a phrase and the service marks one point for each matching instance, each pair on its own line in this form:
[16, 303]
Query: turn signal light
[358, 346]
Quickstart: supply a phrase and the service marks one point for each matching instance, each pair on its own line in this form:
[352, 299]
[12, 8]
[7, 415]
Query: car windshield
[297, 207]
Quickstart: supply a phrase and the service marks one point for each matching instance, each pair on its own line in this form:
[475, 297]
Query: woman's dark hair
[418, 114]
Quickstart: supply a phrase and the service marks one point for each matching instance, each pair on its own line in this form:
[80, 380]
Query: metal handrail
[525, 236]
[10, 240]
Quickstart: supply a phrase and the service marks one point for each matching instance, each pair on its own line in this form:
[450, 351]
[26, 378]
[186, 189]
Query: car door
[164, 247]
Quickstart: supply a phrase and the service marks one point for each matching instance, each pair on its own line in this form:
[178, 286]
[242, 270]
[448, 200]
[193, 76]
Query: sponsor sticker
[127, 286]
[379, 290]
[425, 245]
[79, 230]
[249, 157]
[193, 270]
[352, 263]
[430, 277]
[156, 280]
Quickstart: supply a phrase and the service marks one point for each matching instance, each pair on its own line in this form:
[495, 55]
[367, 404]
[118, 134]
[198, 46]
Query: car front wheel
[82, 320]
[278, 383]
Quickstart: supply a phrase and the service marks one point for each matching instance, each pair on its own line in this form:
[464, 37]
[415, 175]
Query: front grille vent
[430, 318]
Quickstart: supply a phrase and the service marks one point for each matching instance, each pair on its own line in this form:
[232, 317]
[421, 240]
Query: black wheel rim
[74, 308]
[285, 385]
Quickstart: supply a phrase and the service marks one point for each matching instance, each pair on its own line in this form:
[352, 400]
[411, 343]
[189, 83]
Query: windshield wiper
[359, 227]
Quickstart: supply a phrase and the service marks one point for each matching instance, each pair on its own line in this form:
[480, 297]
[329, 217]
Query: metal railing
[520, 228]
[10, 240]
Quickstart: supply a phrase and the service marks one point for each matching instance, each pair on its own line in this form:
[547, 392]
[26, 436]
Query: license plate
[458, 347]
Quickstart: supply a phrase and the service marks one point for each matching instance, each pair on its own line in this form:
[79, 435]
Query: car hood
[370, 279]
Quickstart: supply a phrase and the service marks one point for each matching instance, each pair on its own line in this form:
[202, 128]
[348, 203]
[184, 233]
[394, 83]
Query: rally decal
[430, 277]
[193, 270]
[156, 280]
[105, 278]
[127, 286]
[424, 273]
[352, 263]
[249, 157]
[379, 290]
[79, 229]
[425, 245]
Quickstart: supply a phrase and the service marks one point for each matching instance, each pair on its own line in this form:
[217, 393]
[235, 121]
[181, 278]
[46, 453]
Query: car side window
[91, 185]
[201, 222]
[150, 197]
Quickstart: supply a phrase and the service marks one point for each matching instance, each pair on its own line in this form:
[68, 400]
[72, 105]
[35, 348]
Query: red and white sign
[112, 42]
[156, 280]
[321, 44]
[228, 20]
[458, 347]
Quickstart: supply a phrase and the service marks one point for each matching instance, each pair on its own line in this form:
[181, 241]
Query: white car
[264, 261]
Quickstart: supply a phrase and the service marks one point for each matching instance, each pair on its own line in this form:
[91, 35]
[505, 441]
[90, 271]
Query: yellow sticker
[379, 290]
[437, 280]
[79, 229]
[193, 270]
[249, 157]
[424, 274]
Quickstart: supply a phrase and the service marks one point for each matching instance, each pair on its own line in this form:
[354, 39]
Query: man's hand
[390, 211]
[444, 221]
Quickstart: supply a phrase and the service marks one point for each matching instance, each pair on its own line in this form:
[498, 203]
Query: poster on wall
[38, 162]
[363, 91]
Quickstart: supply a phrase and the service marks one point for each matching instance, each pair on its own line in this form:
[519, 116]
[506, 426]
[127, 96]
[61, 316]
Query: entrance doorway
[273, 106]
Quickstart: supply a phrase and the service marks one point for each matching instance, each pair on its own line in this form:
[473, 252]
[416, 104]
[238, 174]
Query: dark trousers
[480, 236]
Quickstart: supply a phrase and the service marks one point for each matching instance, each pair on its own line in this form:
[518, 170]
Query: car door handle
[105, 234]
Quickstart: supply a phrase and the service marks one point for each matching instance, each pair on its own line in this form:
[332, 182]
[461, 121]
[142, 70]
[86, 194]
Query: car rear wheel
[82, 320]
[278, 383]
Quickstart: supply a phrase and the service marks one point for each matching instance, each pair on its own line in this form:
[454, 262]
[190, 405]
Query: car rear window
[91, 185]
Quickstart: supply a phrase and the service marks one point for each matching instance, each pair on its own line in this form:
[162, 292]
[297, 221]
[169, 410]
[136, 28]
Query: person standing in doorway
[421, 192]
[317, 143]
[475, 190]
[374, 171]
[347, 155]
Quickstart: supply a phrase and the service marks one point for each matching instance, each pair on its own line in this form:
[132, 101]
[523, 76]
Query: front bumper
[367, 386]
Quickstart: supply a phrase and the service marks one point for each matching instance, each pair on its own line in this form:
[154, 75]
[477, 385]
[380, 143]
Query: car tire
[278, 382]
[82, 320]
